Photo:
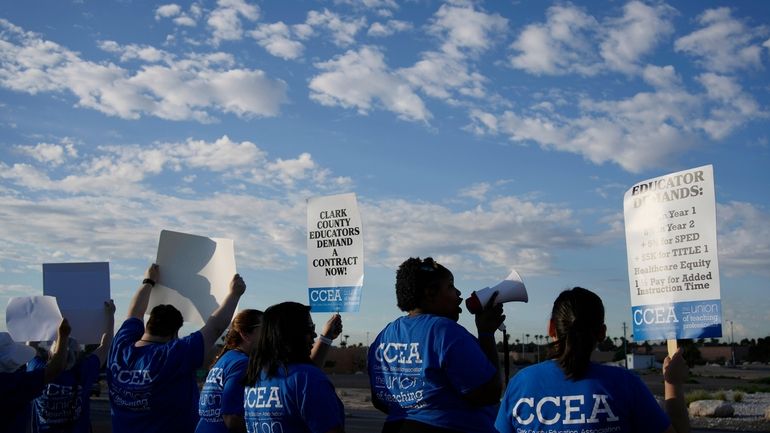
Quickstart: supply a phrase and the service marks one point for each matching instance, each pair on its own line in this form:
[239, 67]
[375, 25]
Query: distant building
[637, 361]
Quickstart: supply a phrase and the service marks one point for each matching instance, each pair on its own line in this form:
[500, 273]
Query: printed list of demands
[672, 254]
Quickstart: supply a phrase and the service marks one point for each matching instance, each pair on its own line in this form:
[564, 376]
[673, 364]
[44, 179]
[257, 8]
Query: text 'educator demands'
[335, 253]
[671, 241]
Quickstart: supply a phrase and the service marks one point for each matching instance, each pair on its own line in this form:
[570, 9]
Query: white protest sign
[672, 256]
[195, 273]
[32, 318]
[80, 290]
[335, 253]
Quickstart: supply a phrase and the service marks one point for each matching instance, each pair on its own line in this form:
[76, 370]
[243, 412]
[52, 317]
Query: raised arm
[675, 373]
[220, 318]
[109, 331]
[332, 329]
[141, 298]
[487, 322]
[59, 358]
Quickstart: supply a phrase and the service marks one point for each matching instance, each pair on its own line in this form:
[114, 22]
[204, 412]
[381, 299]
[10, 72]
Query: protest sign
[672, 256]
[80, 290]
[32, 318]
[335, 253]
[195, 273]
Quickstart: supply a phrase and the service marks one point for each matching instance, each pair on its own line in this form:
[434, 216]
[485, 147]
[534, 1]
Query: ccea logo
[325, 295]
[215, 376]
[550, 410]
[655, 315]
[130, 377]
[261, 397]
[401, 353]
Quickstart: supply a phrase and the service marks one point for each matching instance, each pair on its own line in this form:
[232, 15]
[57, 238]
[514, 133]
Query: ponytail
[577, 317]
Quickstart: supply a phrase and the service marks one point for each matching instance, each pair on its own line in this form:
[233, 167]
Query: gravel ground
[749, 415]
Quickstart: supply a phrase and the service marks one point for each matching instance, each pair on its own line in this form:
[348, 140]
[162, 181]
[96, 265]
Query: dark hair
[282, 340]
[578, 317]
[413, 280]
[243, 323]
[165, 320]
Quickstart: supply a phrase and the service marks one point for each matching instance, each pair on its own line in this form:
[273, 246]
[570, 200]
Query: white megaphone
[510, 289]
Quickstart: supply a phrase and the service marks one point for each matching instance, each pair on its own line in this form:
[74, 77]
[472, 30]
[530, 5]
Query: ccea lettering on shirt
[568, 409]
[262, 397]
[399, 353]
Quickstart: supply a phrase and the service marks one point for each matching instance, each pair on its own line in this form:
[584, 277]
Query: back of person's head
[244, 323]
[578, 320]
[165, 321]
[73, 352]
[414, 278]
[282, 340]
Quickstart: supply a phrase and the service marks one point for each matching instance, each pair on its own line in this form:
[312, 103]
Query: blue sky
[489, 135]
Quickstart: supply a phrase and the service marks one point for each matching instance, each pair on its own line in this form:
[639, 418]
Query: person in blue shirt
[285, 392]
[64, 406]
[17, 386]
[428, 373]
[570, 393]
[151, 371]
[221, 401]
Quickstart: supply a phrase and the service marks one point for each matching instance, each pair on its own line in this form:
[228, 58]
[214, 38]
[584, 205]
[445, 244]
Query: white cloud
[505, 232]
[734, 106]
[635, 34]
[175, 89]
[664, 77]
[122, 170]
[439, 76]
[343, 31]
[724, 43]
[113, 210]
[167, 11]
[462, 28]
[136, 52]
[361, 80]
[225, 20]
[744, 239]
[276, 38]
[370, 4]
[563, 44]
[54, 154]
[388, 28]
[174, 12]
[477, 191]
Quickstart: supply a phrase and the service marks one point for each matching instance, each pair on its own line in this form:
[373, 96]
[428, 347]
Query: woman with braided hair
[570, 393]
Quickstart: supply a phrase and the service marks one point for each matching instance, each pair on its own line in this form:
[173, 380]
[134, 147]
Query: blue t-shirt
[222, 394]
[301, 400]
[17, 390]
[153, 388]
[65, 405]
[608, 399]
[422, 366]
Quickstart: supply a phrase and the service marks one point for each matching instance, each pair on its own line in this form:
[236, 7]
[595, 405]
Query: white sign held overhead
[32, 318]
[673, 268]
[194, 274]
[80, 290]
[335, 253]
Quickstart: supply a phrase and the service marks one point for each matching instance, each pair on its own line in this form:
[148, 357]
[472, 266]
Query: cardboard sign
[673, 269]
[335, 253]
[80, 290]
[32, 318]
[195, 274]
